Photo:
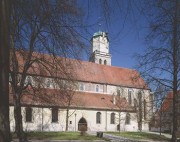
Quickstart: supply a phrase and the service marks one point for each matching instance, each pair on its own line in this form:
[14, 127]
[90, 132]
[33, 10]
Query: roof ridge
[85, 61]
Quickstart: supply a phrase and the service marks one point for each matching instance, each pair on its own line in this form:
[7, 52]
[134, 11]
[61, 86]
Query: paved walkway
[164, 134]
[114, 138]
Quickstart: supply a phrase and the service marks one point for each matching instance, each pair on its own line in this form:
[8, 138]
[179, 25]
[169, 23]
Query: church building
[98, 96]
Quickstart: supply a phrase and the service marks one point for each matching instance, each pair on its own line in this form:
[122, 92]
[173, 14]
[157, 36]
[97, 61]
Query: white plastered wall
[42, 120]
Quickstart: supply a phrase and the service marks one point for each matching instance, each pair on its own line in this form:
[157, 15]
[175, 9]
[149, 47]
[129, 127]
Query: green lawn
[59, 136]
[140, 135]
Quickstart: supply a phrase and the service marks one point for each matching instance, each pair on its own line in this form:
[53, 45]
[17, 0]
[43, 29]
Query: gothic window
[97, 88]
[28, 114]
[81, 86]
[98, 118]
[118, 92]
[112, 118]
[145, 109]
[130, 97]
[127, 121]
[48, 83]
[10, 78]
[28, 80]
[105, 62]
[100, 61]
[135, 104]
[54, 112]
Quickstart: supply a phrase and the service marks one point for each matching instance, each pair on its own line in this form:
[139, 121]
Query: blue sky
[126, 29]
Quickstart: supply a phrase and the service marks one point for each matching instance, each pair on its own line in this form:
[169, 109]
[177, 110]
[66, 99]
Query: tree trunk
[175, 69]
[67, 118]
[4, 71]
[160, 121]
[18, 119]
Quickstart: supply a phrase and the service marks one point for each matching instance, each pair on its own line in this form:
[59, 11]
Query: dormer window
[97, 88]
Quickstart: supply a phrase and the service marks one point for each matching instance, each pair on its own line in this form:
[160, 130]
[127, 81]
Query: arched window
[28, 114]
[97, 88]
[130, 97]
[145, 109]
[112, 118]
[98, 118]
[28, 80]
[118, 92]
[81, 86]
[105, 62]
[135, 104]
[127, 121]
[54, 113]
[100, 61]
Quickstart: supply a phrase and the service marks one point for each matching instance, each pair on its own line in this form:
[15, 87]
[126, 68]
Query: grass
[140, 135]
[59, 136]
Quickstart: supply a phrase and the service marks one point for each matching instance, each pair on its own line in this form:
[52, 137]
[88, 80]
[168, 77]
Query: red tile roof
[84, 100]
[82, 71]
[167, 103]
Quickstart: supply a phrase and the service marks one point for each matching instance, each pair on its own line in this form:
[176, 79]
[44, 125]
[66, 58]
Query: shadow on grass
[59, 136]
[140, 135]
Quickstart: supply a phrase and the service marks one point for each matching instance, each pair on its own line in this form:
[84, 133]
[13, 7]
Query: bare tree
[40, 27]
[4, 69]
[160, 63]
[68, 88]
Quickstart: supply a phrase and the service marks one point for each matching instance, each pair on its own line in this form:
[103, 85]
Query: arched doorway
[82, 124]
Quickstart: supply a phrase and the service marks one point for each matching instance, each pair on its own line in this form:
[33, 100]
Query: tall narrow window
[28, 80]
[118, 92]
[112, 118]
[54, 115]
[105, 62]
[97, 88]
[98, 117]
[48, 83]
[28, 114]
[130, 97]
[127, 121]
[135, 104]
[145, 109]
[81, 87]
[100, 61]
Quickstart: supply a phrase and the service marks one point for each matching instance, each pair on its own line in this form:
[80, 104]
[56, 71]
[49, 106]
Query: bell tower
[100, 49]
